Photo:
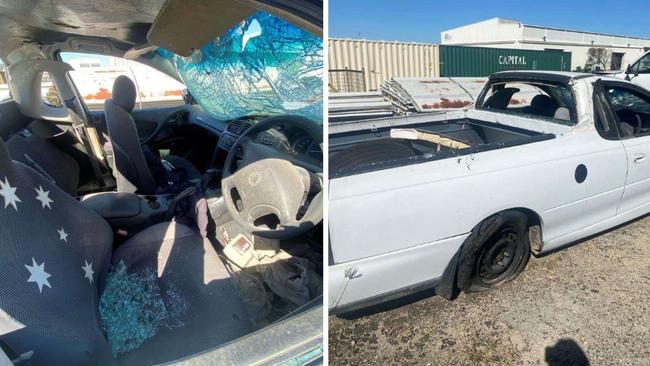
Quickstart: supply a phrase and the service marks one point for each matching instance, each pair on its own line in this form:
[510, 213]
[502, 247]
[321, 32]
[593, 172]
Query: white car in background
[459, 199]
[638, 71]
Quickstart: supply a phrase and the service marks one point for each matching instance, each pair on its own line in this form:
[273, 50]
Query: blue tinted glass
[264, 65]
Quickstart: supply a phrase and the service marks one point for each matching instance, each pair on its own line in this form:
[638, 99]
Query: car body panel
[355, 281]
[376, 218]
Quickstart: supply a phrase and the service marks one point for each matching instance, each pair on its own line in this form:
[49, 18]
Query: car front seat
[130, 164]
[55, 254]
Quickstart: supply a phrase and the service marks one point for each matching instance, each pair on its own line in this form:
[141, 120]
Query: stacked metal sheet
[358, 106]
[435, 94]
[402, 96]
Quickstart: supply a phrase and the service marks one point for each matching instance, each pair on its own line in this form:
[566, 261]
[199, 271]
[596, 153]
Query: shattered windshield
[264, 66]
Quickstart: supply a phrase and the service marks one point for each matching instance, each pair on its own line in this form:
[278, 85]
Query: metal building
[506, 33]
[361, 65]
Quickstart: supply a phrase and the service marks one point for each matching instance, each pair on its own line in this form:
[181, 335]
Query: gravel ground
[586, 304]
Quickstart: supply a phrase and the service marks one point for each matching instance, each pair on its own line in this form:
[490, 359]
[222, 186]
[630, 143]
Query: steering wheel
[270, 196]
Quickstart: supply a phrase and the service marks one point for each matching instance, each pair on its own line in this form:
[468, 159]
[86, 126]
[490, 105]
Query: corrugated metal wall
[381, 60]
[458, 61]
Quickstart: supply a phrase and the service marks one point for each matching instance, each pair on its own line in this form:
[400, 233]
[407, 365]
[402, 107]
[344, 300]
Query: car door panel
[631, 107]
[637, 186]
[151, 123]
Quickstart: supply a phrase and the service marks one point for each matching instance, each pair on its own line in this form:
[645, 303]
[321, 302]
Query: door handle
[639, 158]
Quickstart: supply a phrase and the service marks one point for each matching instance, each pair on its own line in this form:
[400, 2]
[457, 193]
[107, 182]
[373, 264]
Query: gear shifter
[187, 192]
[209, 176]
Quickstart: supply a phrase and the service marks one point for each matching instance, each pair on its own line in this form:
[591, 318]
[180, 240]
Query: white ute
[459, 199]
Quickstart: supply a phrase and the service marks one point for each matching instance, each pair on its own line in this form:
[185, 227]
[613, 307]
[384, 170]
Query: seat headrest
[124, 93]
[563, 113]
[543, 101]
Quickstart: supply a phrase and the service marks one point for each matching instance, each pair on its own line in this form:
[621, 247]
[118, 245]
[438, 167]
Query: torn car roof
[43, 22]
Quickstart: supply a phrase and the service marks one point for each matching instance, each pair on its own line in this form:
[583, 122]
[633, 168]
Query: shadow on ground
[566, 352]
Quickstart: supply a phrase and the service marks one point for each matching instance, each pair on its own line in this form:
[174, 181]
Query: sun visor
[185, 25]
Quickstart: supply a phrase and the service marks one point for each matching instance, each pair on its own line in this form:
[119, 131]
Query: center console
[129, 213]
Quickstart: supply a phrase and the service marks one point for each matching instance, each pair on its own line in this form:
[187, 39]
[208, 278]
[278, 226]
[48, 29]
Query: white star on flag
[37, 274]
[62, 235]
[88, 271]
[44, 197]
[9, 194]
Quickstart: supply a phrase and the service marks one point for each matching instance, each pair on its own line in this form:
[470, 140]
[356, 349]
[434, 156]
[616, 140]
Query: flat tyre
[502, 256]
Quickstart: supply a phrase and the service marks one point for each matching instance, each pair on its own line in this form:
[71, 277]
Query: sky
[423, 20]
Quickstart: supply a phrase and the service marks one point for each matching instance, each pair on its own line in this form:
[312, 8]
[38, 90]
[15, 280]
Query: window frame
[490, 83]
[138, 104]
[6, 76]
[635, 67]
[600, 87]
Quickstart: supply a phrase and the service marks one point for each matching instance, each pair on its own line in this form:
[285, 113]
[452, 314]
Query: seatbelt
[82, 131]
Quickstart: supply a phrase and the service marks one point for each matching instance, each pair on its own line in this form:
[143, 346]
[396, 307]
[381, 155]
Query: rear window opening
[554, 102]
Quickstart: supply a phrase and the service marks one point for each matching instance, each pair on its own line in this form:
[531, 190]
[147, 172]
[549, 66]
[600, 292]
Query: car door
[630, 106]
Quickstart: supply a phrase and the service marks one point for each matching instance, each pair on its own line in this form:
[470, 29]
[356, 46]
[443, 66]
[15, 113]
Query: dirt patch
[586, 303]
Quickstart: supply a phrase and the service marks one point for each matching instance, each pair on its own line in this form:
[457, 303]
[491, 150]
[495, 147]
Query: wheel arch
[533, 217]
[448, 285]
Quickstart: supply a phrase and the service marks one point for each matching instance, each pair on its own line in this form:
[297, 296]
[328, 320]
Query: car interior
[533, 99]
[146, 235]
[632, 111]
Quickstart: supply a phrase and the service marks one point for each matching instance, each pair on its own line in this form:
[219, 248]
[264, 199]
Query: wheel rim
[499, 258]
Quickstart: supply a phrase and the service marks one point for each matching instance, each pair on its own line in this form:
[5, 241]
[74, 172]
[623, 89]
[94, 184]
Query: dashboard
[291, 143]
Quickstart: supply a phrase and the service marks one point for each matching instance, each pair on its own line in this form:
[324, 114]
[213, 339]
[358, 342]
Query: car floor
[264, 306]
[203, 300]
[189, 272]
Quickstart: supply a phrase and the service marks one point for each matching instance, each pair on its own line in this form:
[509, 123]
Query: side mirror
[188, 98]
[632, 70]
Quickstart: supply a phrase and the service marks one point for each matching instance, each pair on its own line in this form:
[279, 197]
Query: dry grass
[594, 294]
